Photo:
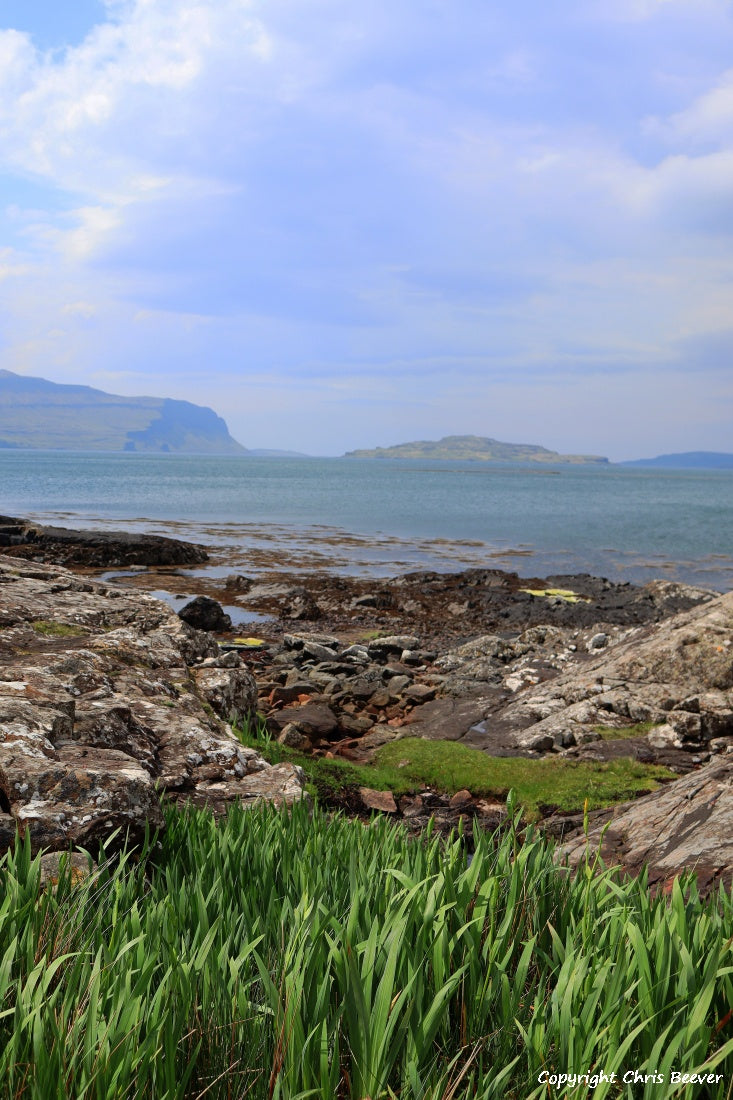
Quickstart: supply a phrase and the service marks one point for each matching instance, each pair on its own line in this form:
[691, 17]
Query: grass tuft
[52, 629]
[624, 733]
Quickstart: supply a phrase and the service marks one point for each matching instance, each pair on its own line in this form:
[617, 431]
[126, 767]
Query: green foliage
[408, 765]
[52, 629]
[280, 955]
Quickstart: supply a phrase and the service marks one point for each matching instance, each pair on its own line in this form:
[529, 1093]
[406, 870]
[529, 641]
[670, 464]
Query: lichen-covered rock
[107, 701]
[677, 675]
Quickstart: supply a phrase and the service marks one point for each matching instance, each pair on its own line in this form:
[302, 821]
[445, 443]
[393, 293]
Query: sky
[350, 225]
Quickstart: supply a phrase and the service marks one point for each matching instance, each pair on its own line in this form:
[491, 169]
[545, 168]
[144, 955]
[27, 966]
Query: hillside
[35, 413]
[473, 448]
[687, 460]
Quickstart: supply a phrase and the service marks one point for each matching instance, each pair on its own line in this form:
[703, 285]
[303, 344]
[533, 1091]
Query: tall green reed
[286, 955]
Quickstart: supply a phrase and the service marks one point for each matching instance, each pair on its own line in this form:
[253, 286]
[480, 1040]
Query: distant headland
[43, 415]
[687, 460]
[475, 448]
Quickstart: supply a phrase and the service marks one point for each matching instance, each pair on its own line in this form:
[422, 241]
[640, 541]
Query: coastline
[262, 548]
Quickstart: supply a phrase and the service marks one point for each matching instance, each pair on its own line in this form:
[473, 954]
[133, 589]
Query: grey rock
[678, 674]
[292, 736]
[418, 693]
[232, 692]
[685, 825]
[91, 734]
[298, 641]
[393, 643]
[315, 719]
[356, 653]
[317, 651]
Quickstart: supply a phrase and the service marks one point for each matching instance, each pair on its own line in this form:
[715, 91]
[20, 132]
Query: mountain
[688, 460]
[49, 416]
[474, 448]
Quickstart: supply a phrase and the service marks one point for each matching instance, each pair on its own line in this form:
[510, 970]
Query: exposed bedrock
[685, 825]
[107, 701]
[676, 675]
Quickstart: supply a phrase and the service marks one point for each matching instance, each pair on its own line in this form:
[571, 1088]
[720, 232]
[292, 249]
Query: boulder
[203, 613]
[316, 720]
[381, 801]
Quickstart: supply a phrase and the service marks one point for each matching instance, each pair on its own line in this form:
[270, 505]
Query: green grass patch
[411, 764]
[51, 629]
[294, 956]
[552, 781]
[624, 733]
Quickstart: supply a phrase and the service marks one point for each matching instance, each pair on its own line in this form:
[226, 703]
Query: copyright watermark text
[628, 1077]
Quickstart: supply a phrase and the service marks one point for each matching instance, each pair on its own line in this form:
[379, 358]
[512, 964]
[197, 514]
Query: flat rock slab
[444, 719]
[685, 826]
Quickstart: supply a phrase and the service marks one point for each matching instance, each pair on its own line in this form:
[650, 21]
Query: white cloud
[708, 119]
[121, 101]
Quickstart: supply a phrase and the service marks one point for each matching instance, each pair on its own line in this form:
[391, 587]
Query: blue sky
[348, 225]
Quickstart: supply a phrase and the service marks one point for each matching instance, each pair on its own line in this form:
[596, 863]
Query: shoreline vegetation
[293, 955]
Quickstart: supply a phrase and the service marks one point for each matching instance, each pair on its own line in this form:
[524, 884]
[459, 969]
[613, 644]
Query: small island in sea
[474, 448]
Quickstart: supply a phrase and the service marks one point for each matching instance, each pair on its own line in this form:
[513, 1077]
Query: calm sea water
[385, 516]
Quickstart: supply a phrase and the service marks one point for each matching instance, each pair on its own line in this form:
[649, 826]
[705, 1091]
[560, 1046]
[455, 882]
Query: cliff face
[49, 416]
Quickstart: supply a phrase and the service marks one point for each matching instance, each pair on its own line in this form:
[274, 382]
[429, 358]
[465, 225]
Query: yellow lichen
[566, 594]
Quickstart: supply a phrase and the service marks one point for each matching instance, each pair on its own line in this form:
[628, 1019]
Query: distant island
[687, 460]
[43, 415]
[475, 448]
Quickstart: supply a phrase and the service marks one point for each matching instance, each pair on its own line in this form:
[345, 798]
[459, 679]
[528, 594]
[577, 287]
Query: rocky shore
[108, 697]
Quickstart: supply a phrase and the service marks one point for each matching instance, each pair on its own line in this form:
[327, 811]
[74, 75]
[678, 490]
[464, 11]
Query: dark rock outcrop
[203, 613]
[93, 549]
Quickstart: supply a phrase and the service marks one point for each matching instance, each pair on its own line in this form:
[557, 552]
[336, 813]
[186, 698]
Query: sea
[383, 517]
